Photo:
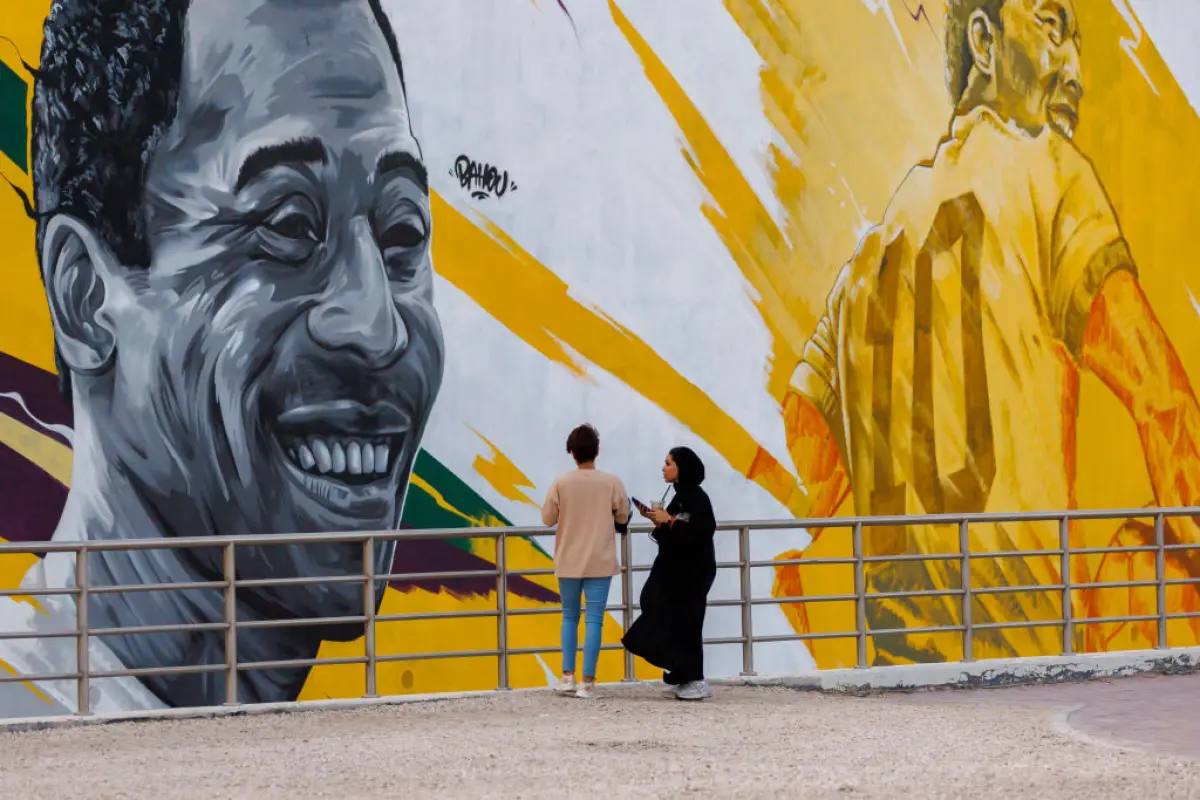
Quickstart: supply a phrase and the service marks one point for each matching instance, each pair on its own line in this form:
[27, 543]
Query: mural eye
[293, 226]
[291, 232]
[403, 245]
[404, 235]
[1054, 24]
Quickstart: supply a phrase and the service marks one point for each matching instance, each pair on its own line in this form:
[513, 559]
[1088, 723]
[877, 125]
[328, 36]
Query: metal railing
[860, 561]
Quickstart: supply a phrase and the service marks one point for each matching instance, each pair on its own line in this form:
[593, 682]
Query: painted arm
[815, 454]
[1127, 348]
[809, 408]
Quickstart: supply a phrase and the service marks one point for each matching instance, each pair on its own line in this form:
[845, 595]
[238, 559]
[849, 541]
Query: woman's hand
[658, 516]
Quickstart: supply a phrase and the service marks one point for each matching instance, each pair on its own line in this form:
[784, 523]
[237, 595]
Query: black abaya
[670, 631]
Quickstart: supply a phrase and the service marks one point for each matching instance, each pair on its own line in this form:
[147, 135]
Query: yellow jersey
[946, 367]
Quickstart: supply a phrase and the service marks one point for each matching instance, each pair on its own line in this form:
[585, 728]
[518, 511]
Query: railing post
[1068, 615]
[82, 650]
[229, 568]
[1160, 576]
[747, 606]
[860, 598]
[502, 610]
[964, 547]
[627, 598]
[369, 612]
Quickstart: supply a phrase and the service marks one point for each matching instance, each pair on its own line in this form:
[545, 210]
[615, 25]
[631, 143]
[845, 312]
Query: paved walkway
[631, 742]
[1159, 714]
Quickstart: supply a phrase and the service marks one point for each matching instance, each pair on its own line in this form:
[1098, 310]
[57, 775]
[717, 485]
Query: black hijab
[689, 498]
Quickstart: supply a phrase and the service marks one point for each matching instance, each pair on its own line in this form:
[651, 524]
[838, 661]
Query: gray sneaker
[696, 690]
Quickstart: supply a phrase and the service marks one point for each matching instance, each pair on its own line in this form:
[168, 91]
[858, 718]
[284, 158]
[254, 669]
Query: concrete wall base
[983, 674]
[910, 677]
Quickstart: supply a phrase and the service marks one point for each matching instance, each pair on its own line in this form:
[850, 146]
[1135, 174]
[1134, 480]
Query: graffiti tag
[482, 180]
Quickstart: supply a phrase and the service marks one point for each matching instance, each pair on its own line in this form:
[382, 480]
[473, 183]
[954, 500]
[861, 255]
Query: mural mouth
[344, 441]
[1064, 118]
[352, 460]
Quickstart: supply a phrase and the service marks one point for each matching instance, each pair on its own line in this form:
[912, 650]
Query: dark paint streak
[563, 6]
[425, 555]
[31, 502]
[918, 14]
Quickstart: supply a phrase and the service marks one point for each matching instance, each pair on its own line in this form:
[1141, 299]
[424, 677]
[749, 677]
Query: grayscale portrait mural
[233, 229]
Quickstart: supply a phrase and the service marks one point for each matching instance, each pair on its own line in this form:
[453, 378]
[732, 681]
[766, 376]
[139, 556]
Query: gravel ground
[629, 742]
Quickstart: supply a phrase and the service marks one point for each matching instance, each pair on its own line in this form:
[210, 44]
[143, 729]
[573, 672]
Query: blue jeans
[596, 592]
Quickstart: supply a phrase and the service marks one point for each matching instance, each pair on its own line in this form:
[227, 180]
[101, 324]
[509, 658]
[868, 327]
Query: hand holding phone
[642, 508]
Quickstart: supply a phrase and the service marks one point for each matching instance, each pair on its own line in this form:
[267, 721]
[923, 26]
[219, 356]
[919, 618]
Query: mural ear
[981, 39]
[77, 266]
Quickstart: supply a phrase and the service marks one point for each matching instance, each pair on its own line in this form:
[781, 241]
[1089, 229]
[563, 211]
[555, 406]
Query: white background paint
[607, 202]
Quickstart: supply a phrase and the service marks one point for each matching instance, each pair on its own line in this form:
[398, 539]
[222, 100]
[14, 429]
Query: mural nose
[363, 320]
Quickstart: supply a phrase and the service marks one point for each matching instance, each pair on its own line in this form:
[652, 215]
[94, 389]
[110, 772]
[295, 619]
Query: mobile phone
[639, 505]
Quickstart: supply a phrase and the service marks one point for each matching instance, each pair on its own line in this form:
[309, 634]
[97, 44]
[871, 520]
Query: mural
[355, 265]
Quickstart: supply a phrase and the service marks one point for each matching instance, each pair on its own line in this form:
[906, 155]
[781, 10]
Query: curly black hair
[105, 94]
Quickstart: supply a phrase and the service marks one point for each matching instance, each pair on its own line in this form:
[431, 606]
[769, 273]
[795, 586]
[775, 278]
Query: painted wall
[290, 290]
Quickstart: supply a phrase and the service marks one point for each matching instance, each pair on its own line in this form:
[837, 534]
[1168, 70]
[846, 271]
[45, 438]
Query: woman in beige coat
[588, 506]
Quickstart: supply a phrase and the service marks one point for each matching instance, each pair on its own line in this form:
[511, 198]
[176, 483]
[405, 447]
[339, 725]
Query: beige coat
[585, 504]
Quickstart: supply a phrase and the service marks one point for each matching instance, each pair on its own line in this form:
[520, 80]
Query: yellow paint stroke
[51, 455]
[745, 226]
[502, 474]
[450, 635]
[13, 568]
[487, 521]
[535, 304]
[25, 329]
[27, 684]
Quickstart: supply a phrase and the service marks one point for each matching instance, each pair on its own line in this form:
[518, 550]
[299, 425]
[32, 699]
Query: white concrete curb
[910, 677]
[983, 674]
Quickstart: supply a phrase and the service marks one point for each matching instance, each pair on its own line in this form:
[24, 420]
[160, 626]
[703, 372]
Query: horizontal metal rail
[863, 563]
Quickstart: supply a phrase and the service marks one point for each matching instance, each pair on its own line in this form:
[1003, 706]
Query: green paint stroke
[422, 511]
[14, 134]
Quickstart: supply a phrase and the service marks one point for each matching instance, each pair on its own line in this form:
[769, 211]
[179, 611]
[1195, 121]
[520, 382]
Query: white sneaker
[586, 691]
[671, 692]
[566, 685]
[696, 690]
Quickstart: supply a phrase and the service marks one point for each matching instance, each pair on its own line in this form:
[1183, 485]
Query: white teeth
[337, 457]
[306, 457]
[324, 459]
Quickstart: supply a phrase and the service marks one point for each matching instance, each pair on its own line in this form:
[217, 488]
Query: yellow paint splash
[536, 305]
[13, 568]
[25, 329]
[4, 665]
[48, 453]
[502, 474]
[443, 635]
[745, 226]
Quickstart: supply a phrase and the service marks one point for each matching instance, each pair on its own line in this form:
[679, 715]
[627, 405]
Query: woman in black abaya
[670, 631]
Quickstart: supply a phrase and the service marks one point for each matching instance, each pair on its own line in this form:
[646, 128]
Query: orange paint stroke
[502, 474]
[758, 246]
[536, 305]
